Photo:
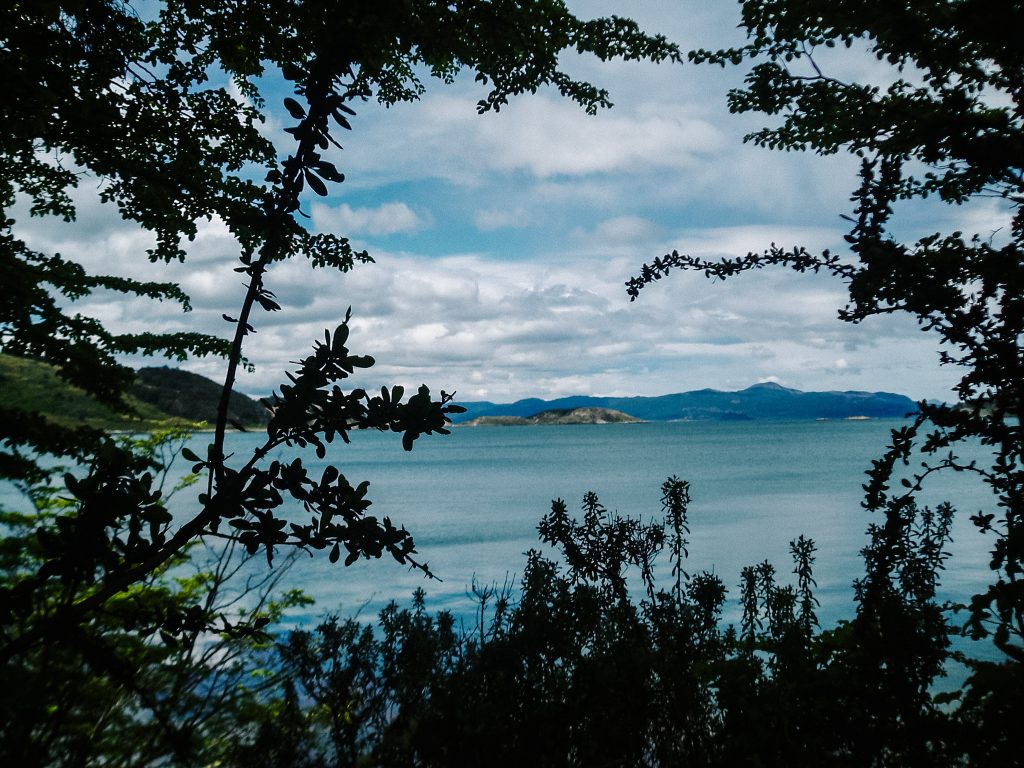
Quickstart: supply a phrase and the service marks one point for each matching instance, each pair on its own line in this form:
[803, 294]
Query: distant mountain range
[761, 402]
[162, 393]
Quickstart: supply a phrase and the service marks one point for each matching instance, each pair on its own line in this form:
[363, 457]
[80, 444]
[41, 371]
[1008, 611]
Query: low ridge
[761, 402]
[583, 415]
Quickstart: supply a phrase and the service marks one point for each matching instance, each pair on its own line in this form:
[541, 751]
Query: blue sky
[502, 243]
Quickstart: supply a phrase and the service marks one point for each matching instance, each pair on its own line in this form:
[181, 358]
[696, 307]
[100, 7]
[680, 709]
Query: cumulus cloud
[386, 219]
[520, 229]
[541, 136]
[499, 329]
[619, 233]
[549, 138]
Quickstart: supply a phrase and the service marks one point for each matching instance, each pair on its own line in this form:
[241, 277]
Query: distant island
[555, 416]
[761, 402]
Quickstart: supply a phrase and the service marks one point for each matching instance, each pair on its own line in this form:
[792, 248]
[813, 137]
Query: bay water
[472, 501]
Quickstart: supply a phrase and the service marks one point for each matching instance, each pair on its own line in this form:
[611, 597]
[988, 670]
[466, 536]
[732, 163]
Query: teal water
[473, 499]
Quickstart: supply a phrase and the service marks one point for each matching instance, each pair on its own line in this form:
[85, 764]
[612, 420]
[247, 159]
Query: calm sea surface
[473, 499]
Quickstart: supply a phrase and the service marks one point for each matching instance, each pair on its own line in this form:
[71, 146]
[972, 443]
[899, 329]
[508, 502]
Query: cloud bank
[502, 244]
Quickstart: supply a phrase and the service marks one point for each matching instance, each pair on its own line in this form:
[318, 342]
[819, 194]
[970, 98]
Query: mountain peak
[768, 386]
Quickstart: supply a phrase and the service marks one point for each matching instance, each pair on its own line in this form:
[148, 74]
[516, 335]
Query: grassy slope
[32, 386]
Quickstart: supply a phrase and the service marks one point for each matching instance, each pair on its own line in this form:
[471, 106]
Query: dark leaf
[294, 108]
[316, 184]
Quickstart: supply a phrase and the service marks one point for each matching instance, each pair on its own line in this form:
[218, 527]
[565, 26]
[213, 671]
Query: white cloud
[542, 136]
[529, 223]
[621, 234]
[548, 138]
[743, 238]
[505, 330]
[386, 219]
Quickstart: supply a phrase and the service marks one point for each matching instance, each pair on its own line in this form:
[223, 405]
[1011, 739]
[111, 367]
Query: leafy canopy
[947, 124]
[164, 104]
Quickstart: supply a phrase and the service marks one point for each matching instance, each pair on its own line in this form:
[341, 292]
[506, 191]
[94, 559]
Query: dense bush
[593, 662]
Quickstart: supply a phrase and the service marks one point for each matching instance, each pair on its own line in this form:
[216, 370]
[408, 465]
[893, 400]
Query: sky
[502, 243]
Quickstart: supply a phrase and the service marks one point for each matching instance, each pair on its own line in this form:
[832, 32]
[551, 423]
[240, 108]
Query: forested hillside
[158, 394]
[191, 396]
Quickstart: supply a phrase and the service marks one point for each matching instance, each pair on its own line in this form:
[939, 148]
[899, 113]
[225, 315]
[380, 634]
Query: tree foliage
[141, 681]
[112, 655]
[164, 104]
[601, 655]
[947, 125]
[593, 661]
